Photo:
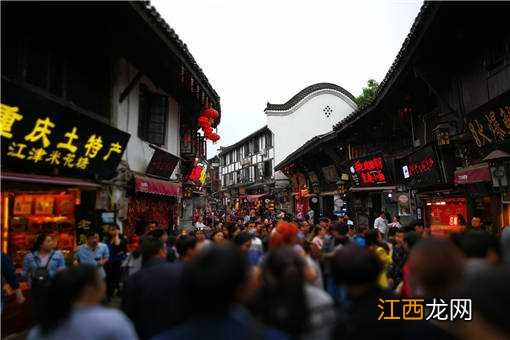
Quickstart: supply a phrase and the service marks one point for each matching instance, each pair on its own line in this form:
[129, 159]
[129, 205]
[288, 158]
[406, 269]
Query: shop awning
[388, 187]
[253, 198]
[157, 186]
[29, 178]
[473, 174]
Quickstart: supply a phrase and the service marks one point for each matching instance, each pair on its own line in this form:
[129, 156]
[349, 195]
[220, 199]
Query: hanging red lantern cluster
[205, 121]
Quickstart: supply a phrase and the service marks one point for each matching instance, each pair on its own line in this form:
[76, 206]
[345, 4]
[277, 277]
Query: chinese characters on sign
[421, 168]
[417, 309]
[40, 135]
[490, 124]
[369, 171]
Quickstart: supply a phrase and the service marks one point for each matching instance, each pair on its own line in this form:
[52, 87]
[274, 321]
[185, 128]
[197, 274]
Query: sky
[254, 52]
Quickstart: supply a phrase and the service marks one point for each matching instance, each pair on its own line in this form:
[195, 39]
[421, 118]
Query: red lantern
[202, 120]
[210, 113]
[208, 130]
[215, 137]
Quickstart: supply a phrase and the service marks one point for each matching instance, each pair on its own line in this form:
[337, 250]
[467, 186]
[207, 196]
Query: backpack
[41, 275]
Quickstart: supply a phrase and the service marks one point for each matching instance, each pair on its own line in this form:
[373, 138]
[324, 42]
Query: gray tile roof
[305, 92]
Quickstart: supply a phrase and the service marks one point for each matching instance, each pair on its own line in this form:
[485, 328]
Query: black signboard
[370, 171]
[490, 123]
[41, 136]
[162, 163]
[421, 168]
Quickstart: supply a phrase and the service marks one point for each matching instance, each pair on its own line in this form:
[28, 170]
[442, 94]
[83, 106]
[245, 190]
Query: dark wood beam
[130, 86]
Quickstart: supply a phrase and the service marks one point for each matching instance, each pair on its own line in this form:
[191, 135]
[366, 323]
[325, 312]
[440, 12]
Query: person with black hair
[72, 309]
[243, 241]
[93, 252]
[287, 302]
[481, 249]
[215, 284]
[339, 233]
[358, 269]
[42, 255]
[39, 266]
[381, 224]
[151, 295]
[398, 257]
[162, 235]
[186, 246]
[117, 248]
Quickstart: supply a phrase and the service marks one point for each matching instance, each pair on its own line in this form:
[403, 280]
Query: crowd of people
[260, 275]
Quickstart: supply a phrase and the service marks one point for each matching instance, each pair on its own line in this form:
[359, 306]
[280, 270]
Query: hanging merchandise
[198, 172]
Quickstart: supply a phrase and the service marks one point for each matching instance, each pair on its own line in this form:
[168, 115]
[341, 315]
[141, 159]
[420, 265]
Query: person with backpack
[39, 266]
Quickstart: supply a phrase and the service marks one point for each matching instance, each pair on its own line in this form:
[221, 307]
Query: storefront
[372, 189]
[439, 204]
[152, 200]
[35, 204]
[53, 161]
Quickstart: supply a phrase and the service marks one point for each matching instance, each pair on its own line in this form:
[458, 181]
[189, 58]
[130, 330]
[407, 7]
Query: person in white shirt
[381, 224]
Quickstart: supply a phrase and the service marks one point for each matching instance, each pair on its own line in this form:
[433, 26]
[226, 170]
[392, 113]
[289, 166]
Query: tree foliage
[368, 93]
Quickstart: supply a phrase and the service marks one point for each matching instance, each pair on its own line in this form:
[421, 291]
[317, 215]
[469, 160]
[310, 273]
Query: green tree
[368, 93]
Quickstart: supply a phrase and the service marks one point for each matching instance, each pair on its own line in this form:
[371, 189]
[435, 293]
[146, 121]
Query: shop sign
[490, 124]
[370, 171]
[162, 163]
[41, 136]
[421, 168]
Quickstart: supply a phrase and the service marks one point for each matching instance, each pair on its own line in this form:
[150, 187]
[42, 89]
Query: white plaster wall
[306, 120]
[138, 153]
[296, 126]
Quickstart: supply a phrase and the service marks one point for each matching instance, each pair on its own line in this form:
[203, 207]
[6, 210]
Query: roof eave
[161, 28]
[400, 63]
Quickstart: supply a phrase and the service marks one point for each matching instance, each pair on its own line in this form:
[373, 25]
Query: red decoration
[214, 137]
[205, 120]
[210, 113]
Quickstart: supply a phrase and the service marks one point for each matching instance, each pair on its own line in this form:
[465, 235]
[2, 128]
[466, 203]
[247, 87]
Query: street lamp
[442, 133]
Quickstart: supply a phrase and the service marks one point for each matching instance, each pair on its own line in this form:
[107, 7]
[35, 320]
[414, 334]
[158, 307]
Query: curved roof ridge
[305, 92]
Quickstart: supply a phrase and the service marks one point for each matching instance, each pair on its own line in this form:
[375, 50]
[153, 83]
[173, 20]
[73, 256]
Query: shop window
[152, 118]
